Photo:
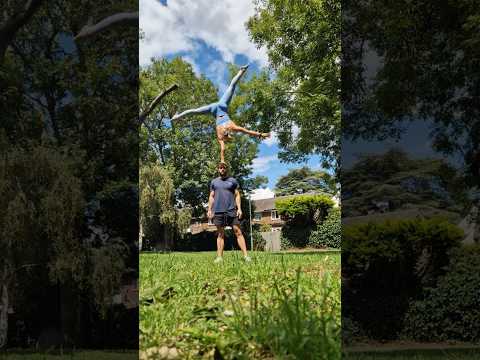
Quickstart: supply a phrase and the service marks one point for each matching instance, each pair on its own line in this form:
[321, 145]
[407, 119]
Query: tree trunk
[3, 313]
[15, 23]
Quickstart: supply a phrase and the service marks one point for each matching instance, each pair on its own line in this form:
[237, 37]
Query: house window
[275, 215]
[258, 216]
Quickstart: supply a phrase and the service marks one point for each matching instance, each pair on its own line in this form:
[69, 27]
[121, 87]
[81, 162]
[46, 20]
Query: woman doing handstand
[225, 125]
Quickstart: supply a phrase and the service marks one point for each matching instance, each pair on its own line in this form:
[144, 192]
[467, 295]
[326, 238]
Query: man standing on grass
[224, 207]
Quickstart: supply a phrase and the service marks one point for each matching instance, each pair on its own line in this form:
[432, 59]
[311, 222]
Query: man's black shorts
[226, 219]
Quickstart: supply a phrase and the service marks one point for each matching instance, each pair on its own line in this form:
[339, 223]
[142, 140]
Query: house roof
[264, 204]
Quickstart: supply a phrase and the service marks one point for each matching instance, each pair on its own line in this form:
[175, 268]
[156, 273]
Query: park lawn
[279, 306]
[20, 354]
[456, 354]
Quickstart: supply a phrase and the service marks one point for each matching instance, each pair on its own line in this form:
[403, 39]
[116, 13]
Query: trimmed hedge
[450, 310]
[304, 208]
[386, 265]
[302, 214]
[329, 232]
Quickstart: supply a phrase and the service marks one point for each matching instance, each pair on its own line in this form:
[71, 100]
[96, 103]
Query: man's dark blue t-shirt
[224, 198]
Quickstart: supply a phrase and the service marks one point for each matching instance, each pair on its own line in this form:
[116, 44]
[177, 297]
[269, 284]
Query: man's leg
[240, 239]
[220, 240]
[227, 96]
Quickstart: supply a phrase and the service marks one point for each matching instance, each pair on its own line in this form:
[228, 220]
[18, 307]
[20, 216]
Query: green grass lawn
[77, 355]
[456, 354]
[279, 306]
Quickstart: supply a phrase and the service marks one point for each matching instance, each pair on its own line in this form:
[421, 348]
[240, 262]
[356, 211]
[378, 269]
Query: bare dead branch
[89, 30]
[143, 115]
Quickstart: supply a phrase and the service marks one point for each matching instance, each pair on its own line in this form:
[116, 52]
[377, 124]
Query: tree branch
[89, 30]
[143, 115]
[11, 27]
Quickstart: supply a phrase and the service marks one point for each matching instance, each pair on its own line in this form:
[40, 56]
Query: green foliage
[42, 205]
[328, 234]
[258, 241]
[188, 146]
[157, 205]
[305, 180]
[386, 264]
[302, 213]
[401, 90]
[449, 311]
[109, 263]
[302, 39]
[67, 107]
[286, 243]
[427, 184]
[265, 228]
[308, 208]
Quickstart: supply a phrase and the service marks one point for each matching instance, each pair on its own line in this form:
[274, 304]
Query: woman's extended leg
[227, 96]
[201, 110]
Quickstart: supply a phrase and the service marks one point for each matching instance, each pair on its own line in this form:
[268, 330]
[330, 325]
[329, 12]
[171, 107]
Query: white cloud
[192, 62]
[263, 163]
[174, 28]
[295, 131]
[216, 72]
[272, 140]
[258, 194]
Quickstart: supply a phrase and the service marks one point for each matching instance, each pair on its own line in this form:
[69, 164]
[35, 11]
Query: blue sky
[209, 35]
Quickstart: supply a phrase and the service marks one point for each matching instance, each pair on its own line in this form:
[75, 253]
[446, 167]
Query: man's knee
[237, 231]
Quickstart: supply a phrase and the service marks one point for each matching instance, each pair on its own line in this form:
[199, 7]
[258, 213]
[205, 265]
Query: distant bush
[258, 241]
[450, 310]
[307, 209]
[285, 243]
[329, 232]
[386, 265]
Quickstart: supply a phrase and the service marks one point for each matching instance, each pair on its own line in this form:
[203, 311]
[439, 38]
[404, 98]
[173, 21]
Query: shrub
[258, 241]
[385, 265]
[451, 309]
[302, 214]
[285, 243]
[329, 232]
[305, 209]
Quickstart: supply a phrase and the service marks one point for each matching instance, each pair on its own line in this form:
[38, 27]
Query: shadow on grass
[431, 354]
[24, 354]
[299, 253]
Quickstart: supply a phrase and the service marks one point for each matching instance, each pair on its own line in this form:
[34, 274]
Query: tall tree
[63, 104]
[301, 101]
[428, 70]
[305, 180]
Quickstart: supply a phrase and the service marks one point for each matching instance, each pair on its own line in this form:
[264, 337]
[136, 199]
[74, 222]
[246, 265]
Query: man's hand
[239, 214]
[209, 214]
